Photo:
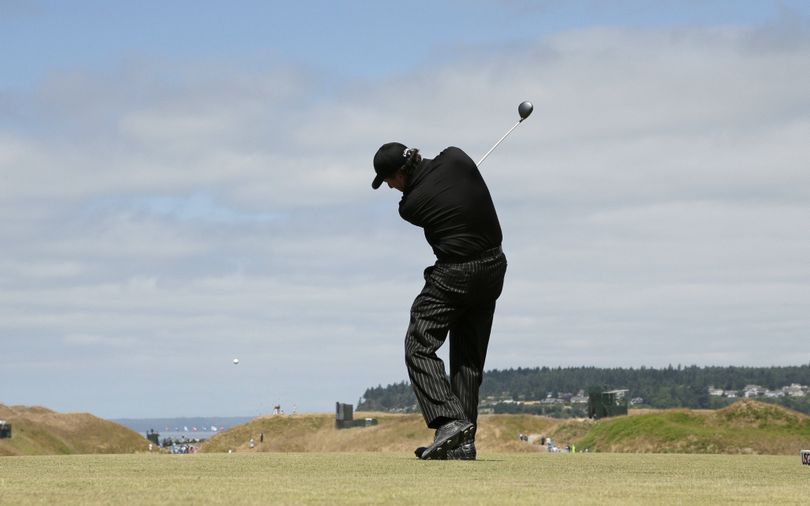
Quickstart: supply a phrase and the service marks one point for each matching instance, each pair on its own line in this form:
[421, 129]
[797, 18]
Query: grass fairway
[398, 478]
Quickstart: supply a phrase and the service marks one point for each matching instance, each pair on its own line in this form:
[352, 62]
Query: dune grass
[395, 433]
[399, 478]
[40, 431]
[746, 427]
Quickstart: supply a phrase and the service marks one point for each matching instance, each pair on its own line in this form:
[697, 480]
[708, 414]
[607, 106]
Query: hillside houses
[752, 391]
[580, 398]
[553, 405]
[526, 390]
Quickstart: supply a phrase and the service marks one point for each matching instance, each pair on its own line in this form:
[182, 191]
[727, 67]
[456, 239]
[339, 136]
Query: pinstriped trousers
[458, 299]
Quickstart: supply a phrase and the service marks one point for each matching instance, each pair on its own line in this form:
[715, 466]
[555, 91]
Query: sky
[185, 183]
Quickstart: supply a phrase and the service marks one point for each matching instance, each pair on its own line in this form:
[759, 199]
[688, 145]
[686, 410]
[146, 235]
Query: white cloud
[654, 209]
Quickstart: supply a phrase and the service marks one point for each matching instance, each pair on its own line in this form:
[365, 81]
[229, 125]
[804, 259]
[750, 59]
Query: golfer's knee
[410, 356]
[417, 356]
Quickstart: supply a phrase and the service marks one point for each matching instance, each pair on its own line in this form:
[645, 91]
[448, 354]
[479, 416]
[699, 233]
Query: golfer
[447, 197]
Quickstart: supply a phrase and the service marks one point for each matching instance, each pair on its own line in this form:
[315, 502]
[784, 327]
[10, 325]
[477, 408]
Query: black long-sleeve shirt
[448, 198]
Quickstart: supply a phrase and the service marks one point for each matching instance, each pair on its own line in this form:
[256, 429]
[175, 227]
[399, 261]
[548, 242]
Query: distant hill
[40, 431]
[669, 387]
[745, 427]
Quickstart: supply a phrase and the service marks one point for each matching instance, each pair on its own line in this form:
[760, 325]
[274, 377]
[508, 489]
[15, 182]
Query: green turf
[396, 478]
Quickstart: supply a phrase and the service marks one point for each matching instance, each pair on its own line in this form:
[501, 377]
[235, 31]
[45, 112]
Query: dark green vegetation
[671, 387]
[399, 478]
[40, 431]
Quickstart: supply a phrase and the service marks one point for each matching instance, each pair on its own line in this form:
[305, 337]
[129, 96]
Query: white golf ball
[236, 361]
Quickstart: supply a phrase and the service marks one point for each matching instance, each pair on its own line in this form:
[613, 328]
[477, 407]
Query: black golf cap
[389, 158]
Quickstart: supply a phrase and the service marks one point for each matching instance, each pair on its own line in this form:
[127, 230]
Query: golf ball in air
[236, 361]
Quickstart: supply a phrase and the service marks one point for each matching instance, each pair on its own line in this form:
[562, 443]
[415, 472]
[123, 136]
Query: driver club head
[524, 109]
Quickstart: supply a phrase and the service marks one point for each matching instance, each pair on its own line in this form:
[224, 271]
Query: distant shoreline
[183, 425]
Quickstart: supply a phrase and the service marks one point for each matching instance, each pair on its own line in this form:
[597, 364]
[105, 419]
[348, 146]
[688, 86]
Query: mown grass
[399, 478]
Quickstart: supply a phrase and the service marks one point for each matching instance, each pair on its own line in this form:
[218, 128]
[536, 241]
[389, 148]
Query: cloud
[89, 340]
[653, 208]
[789, 31]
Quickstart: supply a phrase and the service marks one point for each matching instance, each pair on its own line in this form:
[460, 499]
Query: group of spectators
[547, 443]
[182, 449]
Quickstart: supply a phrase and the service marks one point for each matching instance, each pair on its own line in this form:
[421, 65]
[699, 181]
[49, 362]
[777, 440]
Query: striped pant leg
[469, 339]
[469, 335]
[460, 299]
[432, 315]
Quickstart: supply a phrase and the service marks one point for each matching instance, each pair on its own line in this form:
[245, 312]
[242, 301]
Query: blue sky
[343, 40]
[183, 183]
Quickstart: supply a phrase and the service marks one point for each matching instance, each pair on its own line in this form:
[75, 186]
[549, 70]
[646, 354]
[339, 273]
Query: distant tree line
[668, 387]
[395, 397]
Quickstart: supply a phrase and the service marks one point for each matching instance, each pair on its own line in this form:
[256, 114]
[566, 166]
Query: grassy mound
[40, 431]
[317, 433]
[744, 427]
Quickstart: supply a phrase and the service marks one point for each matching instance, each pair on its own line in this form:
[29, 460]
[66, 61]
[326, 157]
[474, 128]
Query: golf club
[524, 110]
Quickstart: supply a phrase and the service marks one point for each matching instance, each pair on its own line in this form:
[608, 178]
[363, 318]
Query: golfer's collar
[417, 175]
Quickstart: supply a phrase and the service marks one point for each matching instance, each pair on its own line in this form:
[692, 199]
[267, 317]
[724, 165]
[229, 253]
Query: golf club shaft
[499, 141]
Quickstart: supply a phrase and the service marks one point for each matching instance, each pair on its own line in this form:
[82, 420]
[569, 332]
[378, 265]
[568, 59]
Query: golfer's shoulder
[453, 153]
[453, 162]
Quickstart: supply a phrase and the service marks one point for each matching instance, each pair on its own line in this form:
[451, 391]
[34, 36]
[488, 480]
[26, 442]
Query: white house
[795, 390]
[753, 391]
[715, 392]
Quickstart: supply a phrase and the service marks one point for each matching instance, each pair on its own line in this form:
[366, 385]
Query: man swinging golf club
[448, 198]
